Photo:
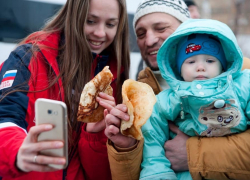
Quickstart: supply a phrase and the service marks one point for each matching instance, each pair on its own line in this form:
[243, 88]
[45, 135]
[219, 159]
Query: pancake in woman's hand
[89, 109]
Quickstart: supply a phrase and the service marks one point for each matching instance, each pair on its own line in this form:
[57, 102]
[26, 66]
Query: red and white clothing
[22, 71]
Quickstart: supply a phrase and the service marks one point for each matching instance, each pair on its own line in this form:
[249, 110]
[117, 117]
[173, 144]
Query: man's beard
[151, 67]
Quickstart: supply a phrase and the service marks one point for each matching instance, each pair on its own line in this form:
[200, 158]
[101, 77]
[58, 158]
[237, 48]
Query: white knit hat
[176, 8]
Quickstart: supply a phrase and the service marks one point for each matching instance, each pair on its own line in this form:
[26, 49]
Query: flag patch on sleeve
[8, 79]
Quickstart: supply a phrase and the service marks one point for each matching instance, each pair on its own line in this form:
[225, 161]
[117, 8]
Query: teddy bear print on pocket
[219, 116]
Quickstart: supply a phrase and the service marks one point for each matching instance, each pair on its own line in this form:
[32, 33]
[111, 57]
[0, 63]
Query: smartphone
[53, 112]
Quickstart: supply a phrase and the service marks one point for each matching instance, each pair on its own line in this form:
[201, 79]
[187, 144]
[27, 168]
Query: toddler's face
[200, 67]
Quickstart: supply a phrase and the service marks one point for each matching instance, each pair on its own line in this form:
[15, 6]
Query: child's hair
[195, 44]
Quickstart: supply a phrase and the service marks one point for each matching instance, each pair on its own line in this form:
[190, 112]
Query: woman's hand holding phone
[45, 148]
[28, 157]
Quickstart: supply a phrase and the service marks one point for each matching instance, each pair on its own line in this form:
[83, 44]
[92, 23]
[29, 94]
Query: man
[193, 9]
[152, 30]
[162, 84]
[154, 21]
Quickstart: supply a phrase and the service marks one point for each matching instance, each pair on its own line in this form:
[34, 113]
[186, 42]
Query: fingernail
[127, 117]
[59, 144]
[97, 98]
[47, 127]
[61, 161]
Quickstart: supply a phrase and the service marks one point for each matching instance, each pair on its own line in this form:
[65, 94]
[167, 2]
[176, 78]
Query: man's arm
[211, 157]
[147, 76]
[124, 153]
[246, 63]
[172, 148]
[125, 162]
[219, 157]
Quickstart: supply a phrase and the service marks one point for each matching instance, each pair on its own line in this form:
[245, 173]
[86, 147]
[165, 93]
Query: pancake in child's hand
[89, 109]
[140, 99]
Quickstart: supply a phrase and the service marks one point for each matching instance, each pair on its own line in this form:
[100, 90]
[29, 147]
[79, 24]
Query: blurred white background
[235, 13]
[6, 48]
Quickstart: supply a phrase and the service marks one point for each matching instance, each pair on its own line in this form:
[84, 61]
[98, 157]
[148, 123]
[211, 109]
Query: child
[56, 63]
[208, 95]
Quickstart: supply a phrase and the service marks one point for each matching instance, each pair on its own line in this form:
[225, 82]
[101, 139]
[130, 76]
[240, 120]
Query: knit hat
[189, 3]
[176, 8]
[196, 44]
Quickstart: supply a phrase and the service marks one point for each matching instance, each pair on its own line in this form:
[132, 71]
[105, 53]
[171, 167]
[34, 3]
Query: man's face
[151, 31]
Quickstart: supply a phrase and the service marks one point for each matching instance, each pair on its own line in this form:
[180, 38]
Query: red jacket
[17, 113]
[92, 146]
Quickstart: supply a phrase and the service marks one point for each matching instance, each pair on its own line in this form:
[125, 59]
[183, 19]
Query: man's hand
[113, 123]
[175, 149]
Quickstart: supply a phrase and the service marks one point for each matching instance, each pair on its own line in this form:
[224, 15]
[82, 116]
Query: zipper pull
[182, 114]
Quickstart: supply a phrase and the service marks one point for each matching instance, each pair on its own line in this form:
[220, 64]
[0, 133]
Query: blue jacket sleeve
[243, 91]
[155, 165]
[14, 78]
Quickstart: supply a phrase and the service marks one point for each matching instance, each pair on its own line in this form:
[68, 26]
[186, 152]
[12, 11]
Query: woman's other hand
[107, 102]
[28, 157]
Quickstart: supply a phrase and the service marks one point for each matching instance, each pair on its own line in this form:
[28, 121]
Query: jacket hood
[166, 57]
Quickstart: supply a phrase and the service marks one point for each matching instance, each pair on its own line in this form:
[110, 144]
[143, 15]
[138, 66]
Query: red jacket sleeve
[11, 139]
[93, 155]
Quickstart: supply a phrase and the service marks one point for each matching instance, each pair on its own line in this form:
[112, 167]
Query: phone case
[53, 112]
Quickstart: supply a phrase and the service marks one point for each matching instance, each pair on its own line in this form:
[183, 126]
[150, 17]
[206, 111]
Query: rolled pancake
[140, 99]
[89, 109]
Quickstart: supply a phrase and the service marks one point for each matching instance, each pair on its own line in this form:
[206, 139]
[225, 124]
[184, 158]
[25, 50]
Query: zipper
[65, 174]
[72, 154]
[98, 63]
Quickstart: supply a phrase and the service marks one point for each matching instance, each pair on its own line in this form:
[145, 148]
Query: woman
[56, 63]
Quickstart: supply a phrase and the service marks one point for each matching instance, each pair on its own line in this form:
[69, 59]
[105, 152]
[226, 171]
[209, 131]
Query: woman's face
[101, 25]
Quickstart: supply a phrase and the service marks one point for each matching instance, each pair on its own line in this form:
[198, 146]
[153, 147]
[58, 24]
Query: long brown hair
[75, 57]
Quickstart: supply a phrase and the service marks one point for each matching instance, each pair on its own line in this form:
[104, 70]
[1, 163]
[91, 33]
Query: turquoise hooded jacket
[213, 107]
